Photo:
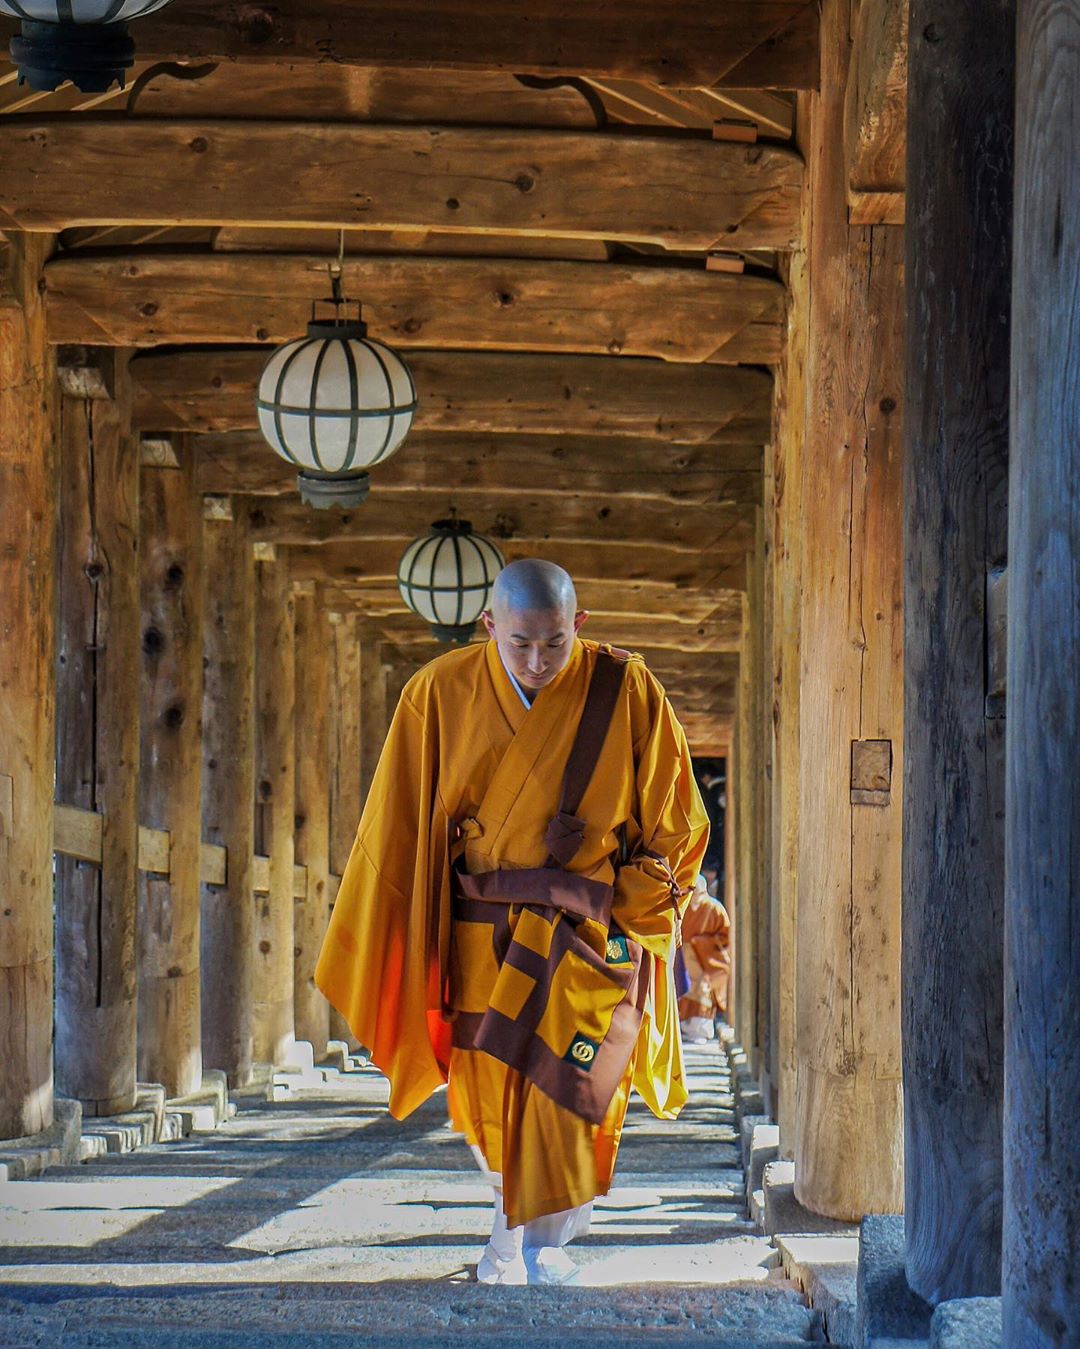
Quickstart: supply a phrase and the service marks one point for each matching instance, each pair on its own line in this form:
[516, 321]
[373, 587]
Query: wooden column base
[173, 1001]
[26, 1001]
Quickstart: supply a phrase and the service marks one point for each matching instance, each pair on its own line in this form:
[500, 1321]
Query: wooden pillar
[848, 1118]
[344, 733]
[275, 798]
[959, 186]
[741, 794]
[1041, 1290]
[761, 804]
[346, 801]
[785, 456]
[373, 711]
[314, 649]
[228, 905]
[27, 691]
[170, 775]
[97, 738]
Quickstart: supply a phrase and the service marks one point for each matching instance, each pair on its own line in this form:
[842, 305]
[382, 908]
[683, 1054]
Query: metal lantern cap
[84, 41]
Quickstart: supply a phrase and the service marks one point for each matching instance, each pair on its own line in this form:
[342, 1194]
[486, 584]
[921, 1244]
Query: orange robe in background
[470, 778]
[706, 943]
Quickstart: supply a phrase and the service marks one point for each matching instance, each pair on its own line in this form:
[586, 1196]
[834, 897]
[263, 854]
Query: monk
[507, 920]
[706, 953]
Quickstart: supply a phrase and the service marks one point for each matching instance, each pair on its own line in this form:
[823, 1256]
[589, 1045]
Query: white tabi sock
[544, 1238]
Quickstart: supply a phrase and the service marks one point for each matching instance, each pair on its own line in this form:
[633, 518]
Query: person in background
[706, 953]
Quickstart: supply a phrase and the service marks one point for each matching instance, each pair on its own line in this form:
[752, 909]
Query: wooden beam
[875, 114]
[720, 634]
[168, 930]
[673, 192]
[97, 745]
[148, 299]
[28, 501]
[516, 516]
[242, 462]
[228, 906]
[656, 563]
[742, 43]
[486, 392]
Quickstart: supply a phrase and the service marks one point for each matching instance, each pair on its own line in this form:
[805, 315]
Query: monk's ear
[489, 623]
[580, 618]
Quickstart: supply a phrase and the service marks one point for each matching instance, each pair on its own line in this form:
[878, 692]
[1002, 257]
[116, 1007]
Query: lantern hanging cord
[336, 269]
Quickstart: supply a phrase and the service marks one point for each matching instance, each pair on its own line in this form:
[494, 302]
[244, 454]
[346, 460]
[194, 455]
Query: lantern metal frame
[450, 530]
[92, 52]
[343, 487]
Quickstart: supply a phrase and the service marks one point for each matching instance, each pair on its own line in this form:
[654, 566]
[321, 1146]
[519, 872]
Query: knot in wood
[452, 204]
[148, 310]
[524, 183]
[173, 717]
[174, 576]
[264, 947]
[199, 145]
[887, 405]
[94, 571]
[153, 641]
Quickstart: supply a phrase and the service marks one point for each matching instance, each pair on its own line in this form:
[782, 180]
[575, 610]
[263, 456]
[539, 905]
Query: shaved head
[531, 585]
[533, 620]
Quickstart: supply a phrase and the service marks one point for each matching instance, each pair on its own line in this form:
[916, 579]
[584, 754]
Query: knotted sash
[582, 1077]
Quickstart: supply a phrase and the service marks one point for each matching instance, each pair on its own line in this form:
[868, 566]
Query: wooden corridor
[760, 317]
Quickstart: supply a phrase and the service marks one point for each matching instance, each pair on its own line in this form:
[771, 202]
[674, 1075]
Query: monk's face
[534, 644]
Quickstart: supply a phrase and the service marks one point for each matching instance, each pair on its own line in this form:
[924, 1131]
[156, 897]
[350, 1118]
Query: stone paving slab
[321, 1217]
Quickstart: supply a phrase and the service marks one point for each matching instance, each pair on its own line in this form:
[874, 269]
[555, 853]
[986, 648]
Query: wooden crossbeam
[363, 561]
[715, 636]
[486, 392]
[766, 44]
[242, 462]
[686, 193]
[515, 515]
[143, 299]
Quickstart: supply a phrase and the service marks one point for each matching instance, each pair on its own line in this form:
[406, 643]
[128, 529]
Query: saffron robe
[706, 943]
[469, 778]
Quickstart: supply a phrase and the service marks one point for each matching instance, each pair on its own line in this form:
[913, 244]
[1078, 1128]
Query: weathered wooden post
[373, 709]
[959, 226]
[27, 678]
[784, 460]
[314, 645]
[97, 731]
[848, 1118]
[346, 801]
[170, 773]
[275, 798]
[1041, 1290]
[228, 902]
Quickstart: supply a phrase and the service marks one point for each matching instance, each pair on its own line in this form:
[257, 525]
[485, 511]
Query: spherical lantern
[85, 41]
[446, 578]
[335, 403]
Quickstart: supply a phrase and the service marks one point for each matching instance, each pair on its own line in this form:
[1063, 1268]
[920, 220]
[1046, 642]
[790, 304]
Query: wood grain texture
[675, 192]
[275, 809]
[786, 543]
[875, 122]
[228, 768]
[147, 299]
[170, 776]
[345, 738]
[374, 713]
[848, 1142]
[314, 649]
[97, 747]
[517, 515]
[1040, 1289]
[242, 462]
[959, 234]
[27, 682]
[486, 393]
[744, 43]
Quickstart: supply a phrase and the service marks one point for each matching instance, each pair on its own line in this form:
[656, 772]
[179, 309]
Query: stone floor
[318, 1220]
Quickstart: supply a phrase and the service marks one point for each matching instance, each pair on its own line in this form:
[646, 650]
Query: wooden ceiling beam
[766, 44]
[145, 299]
[375, 561]
[672, 191]
[242, 462]
[718, 637]
[486, 392]
[517, 515]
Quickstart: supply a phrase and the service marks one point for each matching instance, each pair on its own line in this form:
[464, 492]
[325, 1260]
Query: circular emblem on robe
[583, 1051]
[614, 950]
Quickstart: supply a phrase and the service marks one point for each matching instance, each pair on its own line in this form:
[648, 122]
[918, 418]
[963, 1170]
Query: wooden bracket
[871, 772]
